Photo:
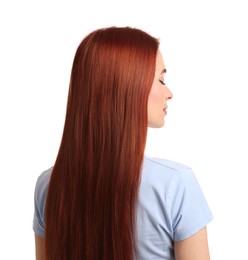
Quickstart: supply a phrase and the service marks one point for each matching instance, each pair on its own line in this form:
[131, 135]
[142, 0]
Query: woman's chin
[158, 124]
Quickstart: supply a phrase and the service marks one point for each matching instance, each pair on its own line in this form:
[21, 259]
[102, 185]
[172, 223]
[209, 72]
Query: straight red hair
[92, 195]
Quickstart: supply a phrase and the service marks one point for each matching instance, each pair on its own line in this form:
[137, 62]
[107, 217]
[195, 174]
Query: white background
[205, 50]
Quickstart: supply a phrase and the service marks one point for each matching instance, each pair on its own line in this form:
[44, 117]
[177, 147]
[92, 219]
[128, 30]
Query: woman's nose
[168, 93]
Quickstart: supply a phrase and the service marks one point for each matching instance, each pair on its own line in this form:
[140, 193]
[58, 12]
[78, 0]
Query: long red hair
[92, 194]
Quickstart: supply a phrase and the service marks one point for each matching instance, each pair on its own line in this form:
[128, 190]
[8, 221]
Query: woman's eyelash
[161, 81]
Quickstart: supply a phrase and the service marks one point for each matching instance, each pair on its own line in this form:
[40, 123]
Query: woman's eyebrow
[163, 71]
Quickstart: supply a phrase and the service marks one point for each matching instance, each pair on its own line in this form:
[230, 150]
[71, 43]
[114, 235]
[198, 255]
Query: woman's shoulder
[174, 187]
[165, 164]
[42, 184]
[40, 194]
[158, 169]
[45, 176]
[166, 175]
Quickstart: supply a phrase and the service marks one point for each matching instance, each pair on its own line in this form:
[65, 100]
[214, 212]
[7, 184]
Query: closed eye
[163, 83]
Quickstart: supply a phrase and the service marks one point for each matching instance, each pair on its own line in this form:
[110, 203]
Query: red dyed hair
[92, 195]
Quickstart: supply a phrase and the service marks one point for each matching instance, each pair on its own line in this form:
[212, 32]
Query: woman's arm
[39, 248]
[193, 248]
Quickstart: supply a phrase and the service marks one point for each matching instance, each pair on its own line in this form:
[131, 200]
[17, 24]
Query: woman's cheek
[156, 96]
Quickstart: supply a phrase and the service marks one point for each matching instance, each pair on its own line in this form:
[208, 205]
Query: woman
[104, 199]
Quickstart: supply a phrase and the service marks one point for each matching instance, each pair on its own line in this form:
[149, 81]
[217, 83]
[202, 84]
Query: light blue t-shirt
[171, 207]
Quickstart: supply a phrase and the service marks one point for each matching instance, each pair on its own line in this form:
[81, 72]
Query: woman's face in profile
[159, 95]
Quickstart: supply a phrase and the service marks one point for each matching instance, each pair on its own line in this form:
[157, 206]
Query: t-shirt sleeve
[189, 208]
[39, 204]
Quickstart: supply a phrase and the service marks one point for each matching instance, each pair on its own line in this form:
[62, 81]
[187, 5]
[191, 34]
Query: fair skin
[39, 248]
[196, 246]
[193, 248]
[159, 95]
